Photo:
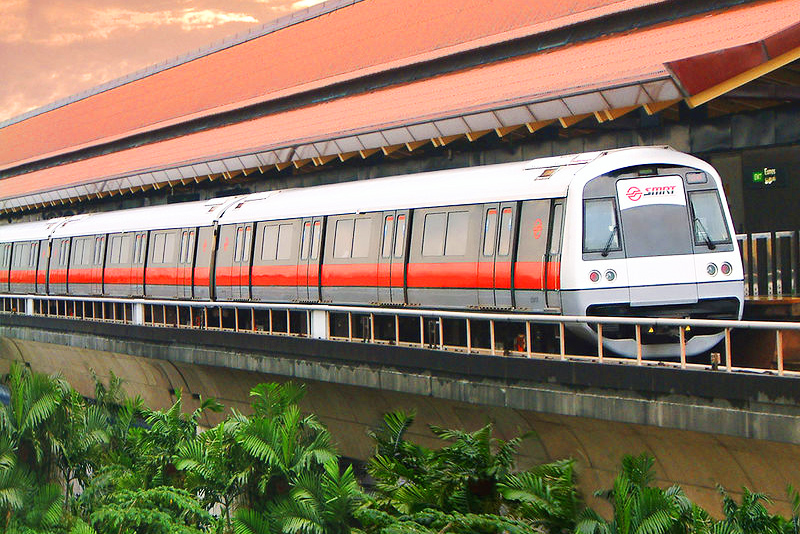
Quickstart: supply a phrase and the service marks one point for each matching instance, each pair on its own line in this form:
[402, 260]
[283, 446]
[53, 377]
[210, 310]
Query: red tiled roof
[581, 69]
[366, 37]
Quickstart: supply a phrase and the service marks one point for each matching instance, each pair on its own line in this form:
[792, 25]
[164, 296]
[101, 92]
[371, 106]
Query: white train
[641, 231]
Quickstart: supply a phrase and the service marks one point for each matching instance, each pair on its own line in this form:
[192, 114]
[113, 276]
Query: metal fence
[501, 334]
[770, 262]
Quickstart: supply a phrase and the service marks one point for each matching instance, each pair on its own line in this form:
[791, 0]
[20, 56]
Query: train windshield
[654, 217]
[708, 219]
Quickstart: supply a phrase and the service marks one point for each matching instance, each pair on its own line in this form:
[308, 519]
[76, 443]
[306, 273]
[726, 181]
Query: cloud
[62, 28]
[12, 20]
[302, 4]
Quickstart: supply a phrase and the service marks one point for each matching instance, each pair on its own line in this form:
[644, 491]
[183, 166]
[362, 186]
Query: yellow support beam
[474, 136]
[446, 140]
[534, 127]
[344, 156]
[284, 165]
[301, 162]
[655, 107]
[413, 145]
[392, 148]
[572, 120]
[740, 79]
[505, 130]
[367, 152]
[322, 160]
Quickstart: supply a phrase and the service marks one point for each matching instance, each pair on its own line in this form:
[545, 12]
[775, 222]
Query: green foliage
[158, 510]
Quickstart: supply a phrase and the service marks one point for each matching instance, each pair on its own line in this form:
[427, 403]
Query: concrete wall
[695, 460]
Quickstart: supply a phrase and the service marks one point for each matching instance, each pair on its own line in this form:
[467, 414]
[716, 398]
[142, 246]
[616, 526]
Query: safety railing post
[779, 350]
[600, 342]
[639, 344]
[682, 335]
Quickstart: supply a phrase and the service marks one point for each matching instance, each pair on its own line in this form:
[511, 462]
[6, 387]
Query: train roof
[29, 231]
[186, 214]
[549, 177]
[470, 185]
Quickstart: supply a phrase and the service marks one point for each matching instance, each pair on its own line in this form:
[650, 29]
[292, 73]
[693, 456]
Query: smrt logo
[634, 194]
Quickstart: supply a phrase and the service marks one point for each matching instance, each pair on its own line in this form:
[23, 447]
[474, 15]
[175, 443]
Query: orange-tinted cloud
[51, 50]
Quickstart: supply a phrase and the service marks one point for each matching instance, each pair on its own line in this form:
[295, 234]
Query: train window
[316, 239]
[159, 246]
[343, 238]
[239, 246]
[77, 252]
[248, 237]
[388, 231]
[455, 243]
[116, 250]
[555, 238]
[34, 248]
[137, 253]
[190, 248]
[600, 228]
[708, 218]
[433, 234]
[98, 250]
[184, 246]
[361, 238]
[305, 245]
[400, 239]
[506, 223]
[285, 241]
[489, 232]
[169, 248]
[269, 243]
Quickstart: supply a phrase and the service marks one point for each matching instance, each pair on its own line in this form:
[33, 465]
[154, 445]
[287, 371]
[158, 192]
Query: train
[637, 232]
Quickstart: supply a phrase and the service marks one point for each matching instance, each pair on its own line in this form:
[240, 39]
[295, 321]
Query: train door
[59, 260]
[497, 248]
[240, 272]
[137, 266]
[41, 268]
[392, 258]
[185, 263]
[308, 267]
[5, 266]
[552, 281]
[96, 278]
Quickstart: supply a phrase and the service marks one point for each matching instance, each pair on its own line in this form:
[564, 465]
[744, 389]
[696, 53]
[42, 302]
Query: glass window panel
[305, 245]
[248, 237]
[489, 232]
[400, 240]
[555, 241]
[433, 234]
[343, 239]
[709, 219]
[158, 248]
[316, 239]
[285, 240]
[600, 229]
[238, 246]
[361, 238]
[388, 231]
[269, 243]
[457, 226]
[506, 222]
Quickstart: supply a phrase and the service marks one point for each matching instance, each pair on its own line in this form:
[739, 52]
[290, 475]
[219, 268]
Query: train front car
[656, 241]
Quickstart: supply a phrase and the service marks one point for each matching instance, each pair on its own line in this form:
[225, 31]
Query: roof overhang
[599, 80]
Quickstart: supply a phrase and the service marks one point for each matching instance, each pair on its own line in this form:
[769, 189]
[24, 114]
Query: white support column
[29, 307]
[138, 313]
[319, 324]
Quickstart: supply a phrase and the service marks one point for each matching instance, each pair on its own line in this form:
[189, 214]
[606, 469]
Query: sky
[52, 49]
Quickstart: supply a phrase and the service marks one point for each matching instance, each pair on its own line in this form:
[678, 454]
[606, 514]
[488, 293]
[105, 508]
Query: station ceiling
[112, 142]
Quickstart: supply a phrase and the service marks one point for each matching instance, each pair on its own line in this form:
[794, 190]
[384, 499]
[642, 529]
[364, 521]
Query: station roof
[695, 59]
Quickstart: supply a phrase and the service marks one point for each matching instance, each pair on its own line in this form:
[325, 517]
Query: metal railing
[502, 334]
[770, 261]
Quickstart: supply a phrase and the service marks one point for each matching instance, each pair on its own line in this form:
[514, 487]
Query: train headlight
[711, 269]
[726, 268]
[611, 275]
[594, 276]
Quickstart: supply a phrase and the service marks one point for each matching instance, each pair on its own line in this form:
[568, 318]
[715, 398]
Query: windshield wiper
[610, 240]
[710, 244]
